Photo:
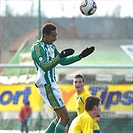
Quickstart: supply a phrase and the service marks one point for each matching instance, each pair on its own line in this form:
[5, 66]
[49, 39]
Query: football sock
[51, 127]
[59, 128]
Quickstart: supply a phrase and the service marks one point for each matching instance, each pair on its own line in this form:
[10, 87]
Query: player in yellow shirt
[84, 122]
[80, 96]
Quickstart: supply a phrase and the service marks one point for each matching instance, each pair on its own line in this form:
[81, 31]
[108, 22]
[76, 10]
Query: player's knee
[63, 115]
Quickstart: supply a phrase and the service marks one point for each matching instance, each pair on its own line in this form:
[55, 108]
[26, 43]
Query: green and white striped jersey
[46, 57]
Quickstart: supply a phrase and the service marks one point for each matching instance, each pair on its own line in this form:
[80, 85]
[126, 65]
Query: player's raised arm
[41, 59]
[69, 60]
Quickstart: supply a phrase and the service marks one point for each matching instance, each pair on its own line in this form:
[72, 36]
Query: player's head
[92, 103]
[27, 103]
[49, 33]
[79, 82]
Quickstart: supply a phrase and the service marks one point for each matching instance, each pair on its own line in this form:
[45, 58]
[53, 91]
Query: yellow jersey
[82, 123]
[79, 104]
[79, 101]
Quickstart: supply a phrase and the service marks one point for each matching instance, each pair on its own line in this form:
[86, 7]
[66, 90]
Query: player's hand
[87, 52]
[66, 52]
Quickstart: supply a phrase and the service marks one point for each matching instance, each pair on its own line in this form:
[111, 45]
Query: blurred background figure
[24, 116]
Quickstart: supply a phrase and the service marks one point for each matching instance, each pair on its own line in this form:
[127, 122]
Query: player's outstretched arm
[87, 52]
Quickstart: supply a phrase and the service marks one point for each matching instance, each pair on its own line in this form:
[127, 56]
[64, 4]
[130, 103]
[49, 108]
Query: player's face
[51, 38]
[97, 110]
[78, 84]
[27, 106]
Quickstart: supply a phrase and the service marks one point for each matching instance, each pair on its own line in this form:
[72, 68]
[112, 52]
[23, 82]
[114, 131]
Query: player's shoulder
[87, 115]
[36, 43]
[86, 93]
[78, 118]
[84, 117]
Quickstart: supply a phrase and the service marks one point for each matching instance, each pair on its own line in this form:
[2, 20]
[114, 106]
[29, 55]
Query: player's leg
[45, 94]
[52, 126]
[22, 127]
[26, 126]
[51, 95]
[63, 117]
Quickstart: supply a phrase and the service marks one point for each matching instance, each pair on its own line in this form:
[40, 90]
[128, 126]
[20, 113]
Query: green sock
[59, 128]
[51, 127]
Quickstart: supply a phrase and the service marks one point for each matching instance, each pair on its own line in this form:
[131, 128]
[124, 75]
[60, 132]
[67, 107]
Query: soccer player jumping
[46, 57]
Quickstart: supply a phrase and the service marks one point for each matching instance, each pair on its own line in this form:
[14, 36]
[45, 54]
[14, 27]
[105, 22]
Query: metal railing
[70, 66]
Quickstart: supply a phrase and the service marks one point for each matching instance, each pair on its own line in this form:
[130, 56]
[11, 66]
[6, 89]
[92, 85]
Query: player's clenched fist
[66, 52]
[87, 52]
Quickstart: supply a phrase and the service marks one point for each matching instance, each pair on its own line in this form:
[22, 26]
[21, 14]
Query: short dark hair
[47, 28]
[27, 102]
[80, 76]
[91, 101]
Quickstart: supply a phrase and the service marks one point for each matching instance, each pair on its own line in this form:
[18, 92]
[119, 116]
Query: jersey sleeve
[96, 131]
[75, 126]
[69, 60]
[39, 56]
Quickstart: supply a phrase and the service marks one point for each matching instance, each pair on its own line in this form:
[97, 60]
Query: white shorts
[51, 95]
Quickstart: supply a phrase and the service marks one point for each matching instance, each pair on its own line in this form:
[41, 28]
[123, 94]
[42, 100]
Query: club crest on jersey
[51, 52]
[40, 58]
